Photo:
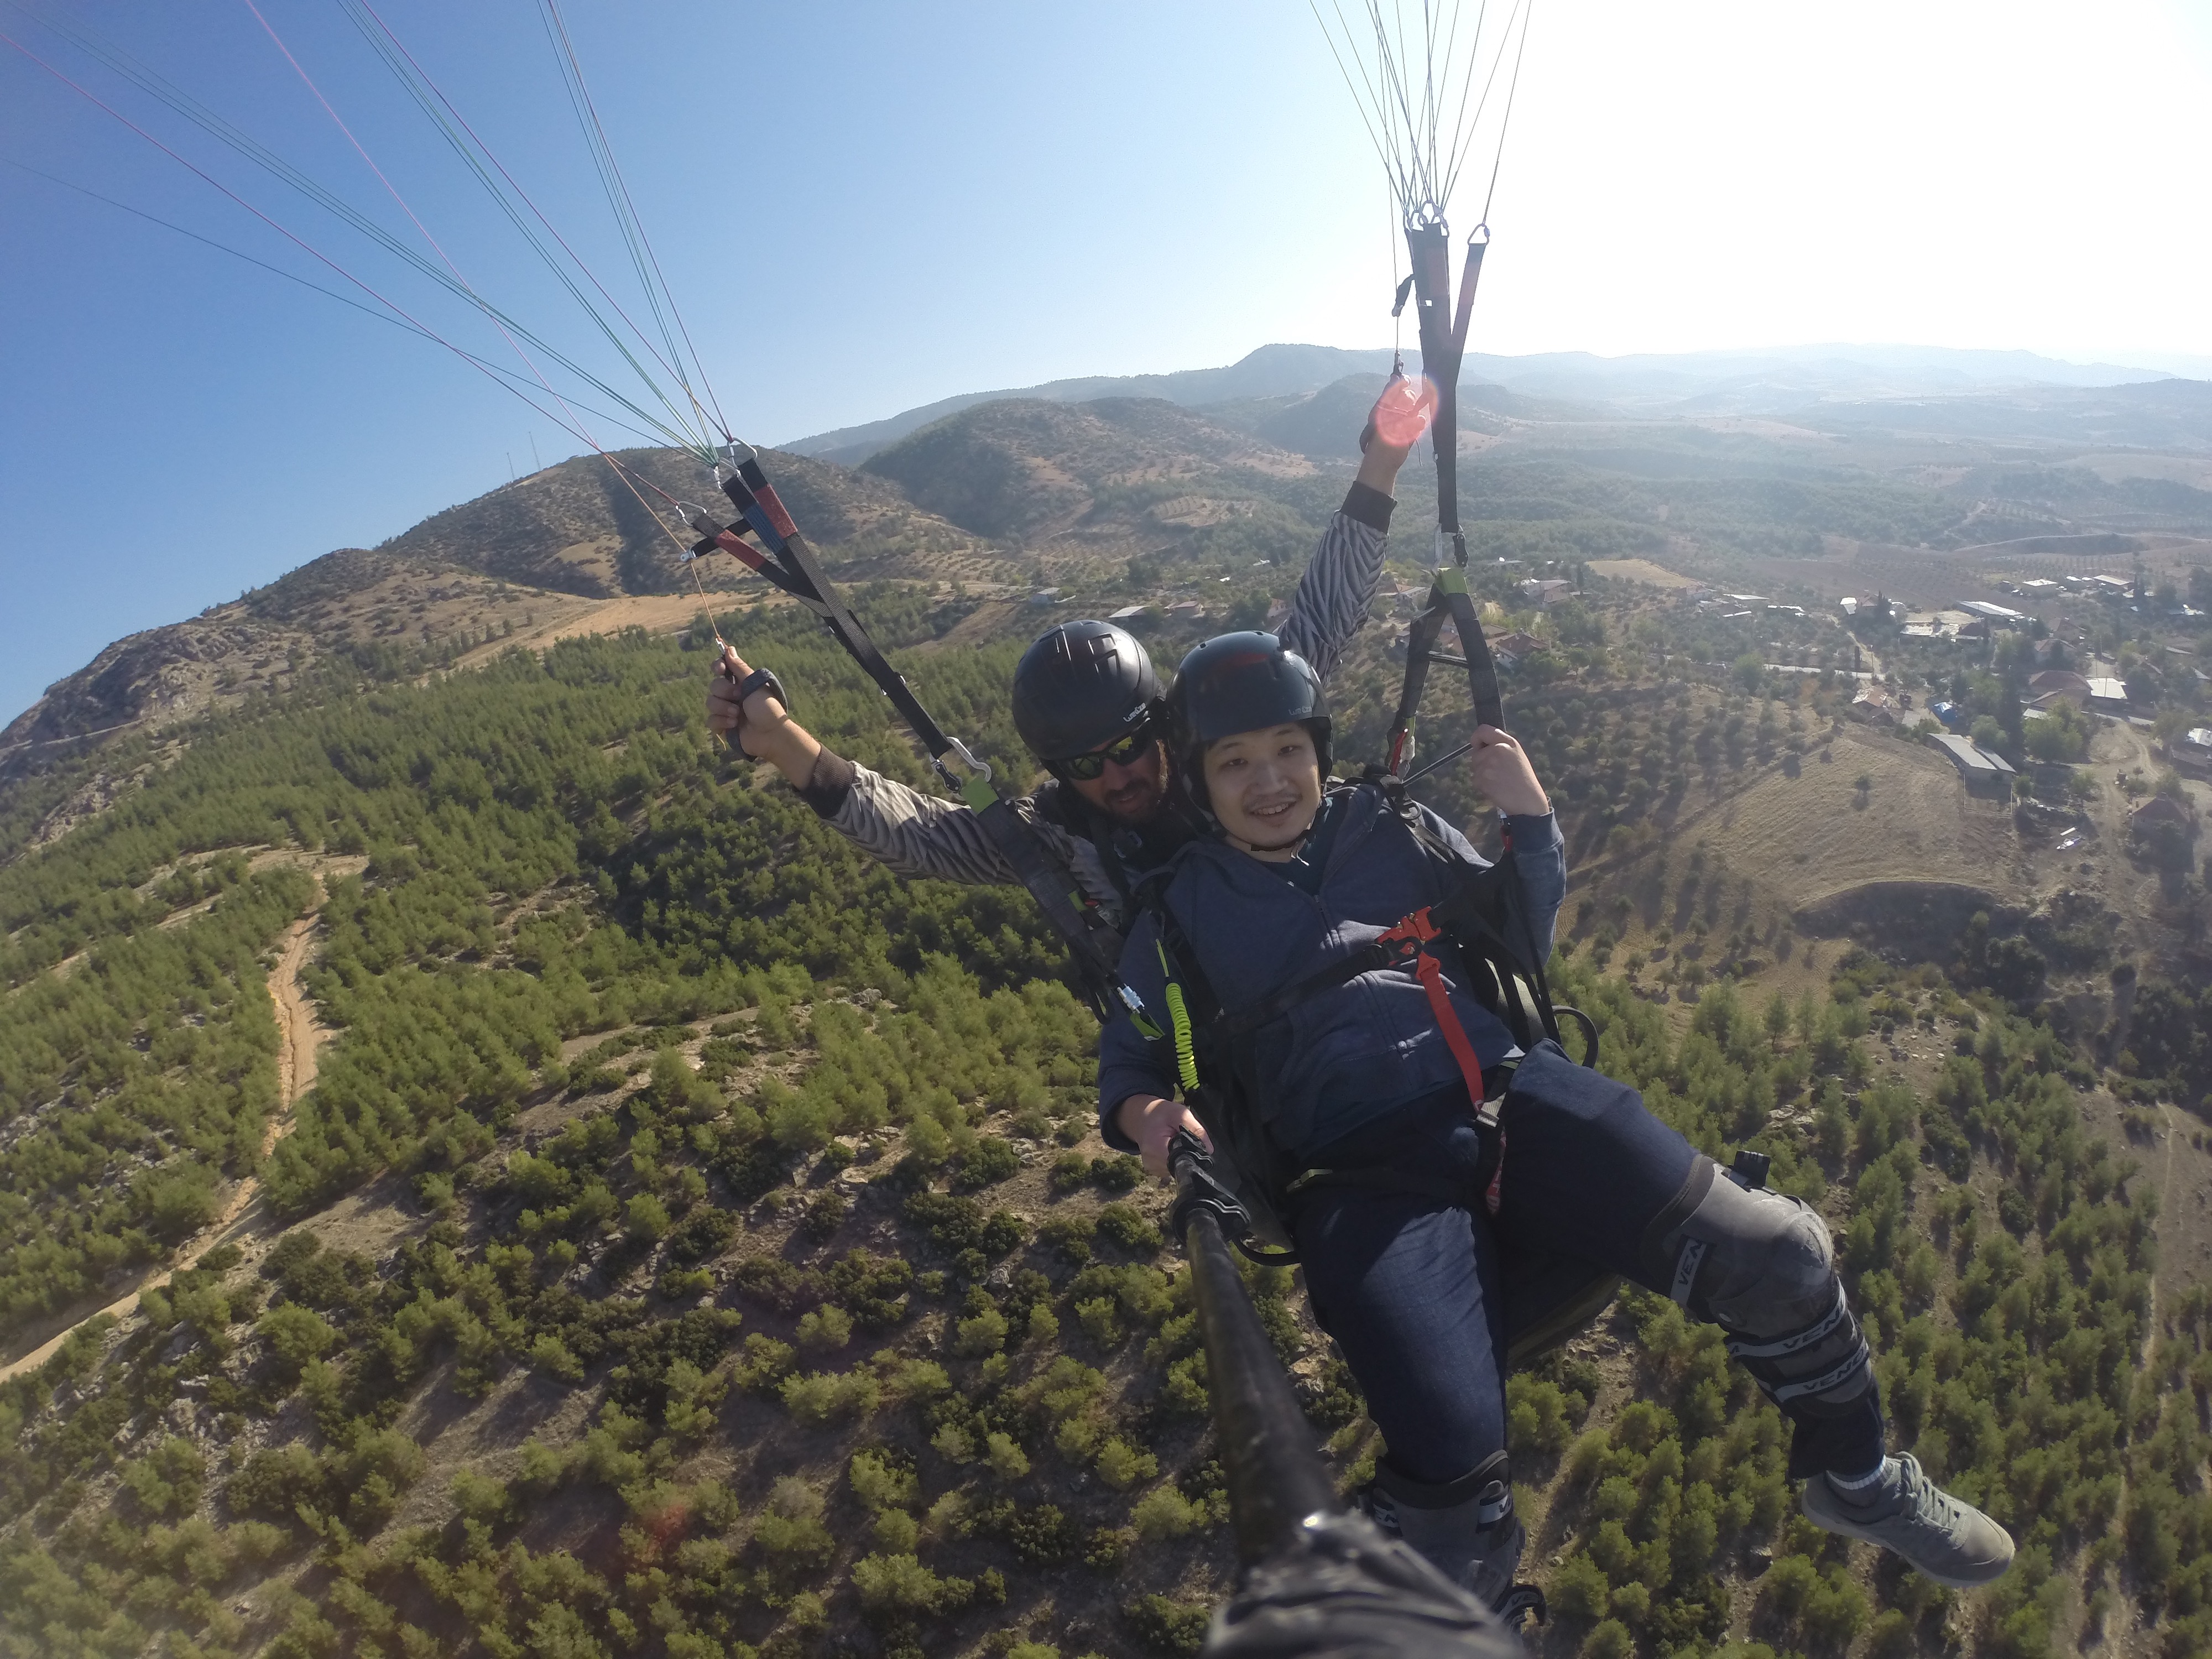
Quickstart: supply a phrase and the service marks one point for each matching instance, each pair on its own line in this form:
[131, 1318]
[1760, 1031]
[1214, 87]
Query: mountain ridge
[1279, 370]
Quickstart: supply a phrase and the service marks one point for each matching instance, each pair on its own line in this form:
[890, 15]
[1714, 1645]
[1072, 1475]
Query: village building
[2191, 752]
[1508, 649]
[2159, 811]
[1878, 706]
[1983, 771]
[2059, 682]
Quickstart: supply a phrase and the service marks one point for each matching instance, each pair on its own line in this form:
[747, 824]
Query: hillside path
[299, 1037]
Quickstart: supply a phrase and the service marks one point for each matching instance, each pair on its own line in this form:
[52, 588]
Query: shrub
[1167, 1626]
[481, 1498]
[551, 1355]
[825, 1213]
[827, 1328]
[1579, 1588]
[791, 1528]
[1042, 1537]
[766, 1362]
[1068, 1238]
[872, 1288]
[275, 1481]
[775, 1282]
[982, 1333]
[823, 1396]
[295, 1335]
[169, 1481]
[1127, 1227]
[1116, 1173]
[646, 1219]
[1108, 1548]
[881, 1483]
[1164, 1513]
[900, 1583]
[1121, 1466]
[707, 1231]
[918, 1380]
[1185, 1394]
[1101, 1321]
[682, 1284]
[985, 1164]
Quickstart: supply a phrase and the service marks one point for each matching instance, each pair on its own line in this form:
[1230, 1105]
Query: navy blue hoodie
[1351, 1055]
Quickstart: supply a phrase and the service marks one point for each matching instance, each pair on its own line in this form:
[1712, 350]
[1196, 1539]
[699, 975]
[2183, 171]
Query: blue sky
[865, 206]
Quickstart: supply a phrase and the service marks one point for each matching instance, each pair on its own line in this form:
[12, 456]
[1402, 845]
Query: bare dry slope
[1809, 837]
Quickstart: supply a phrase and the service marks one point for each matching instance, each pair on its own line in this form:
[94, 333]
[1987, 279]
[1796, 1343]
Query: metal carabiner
[975, 788]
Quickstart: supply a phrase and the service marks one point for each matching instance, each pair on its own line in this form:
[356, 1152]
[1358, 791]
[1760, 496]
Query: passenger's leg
[1585, 1161]
[1406, 1285]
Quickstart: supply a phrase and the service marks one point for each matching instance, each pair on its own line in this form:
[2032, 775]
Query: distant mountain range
[1007, 491]
[1711, 382]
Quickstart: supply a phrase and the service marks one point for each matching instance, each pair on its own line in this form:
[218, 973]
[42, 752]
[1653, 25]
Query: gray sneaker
[1945, 1537]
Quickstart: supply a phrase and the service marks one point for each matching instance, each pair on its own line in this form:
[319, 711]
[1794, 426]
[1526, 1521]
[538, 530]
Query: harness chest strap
[1416, 931]
[1419, 929]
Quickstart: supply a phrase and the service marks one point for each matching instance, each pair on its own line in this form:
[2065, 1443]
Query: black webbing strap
[748, 488]
[1449, 601]
[1095, 948]
[1444, 329]
[1443, 344]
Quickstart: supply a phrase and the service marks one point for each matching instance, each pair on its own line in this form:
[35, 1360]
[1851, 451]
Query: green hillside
[694, 1241]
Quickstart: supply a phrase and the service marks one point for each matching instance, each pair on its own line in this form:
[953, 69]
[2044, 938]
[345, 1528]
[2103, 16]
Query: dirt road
[299, 1039]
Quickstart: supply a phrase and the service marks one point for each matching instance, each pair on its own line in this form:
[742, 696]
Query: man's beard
[1137, 804]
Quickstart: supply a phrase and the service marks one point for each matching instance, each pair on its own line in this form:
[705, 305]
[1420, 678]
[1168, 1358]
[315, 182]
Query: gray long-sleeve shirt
[920, 835]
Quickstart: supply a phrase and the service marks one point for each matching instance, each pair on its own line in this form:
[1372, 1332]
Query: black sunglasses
[1081, 768]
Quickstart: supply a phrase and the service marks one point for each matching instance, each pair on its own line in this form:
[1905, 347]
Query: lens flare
[1404, 410]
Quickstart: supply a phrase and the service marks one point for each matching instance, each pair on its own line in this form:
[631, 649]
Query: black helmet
[1079, 685]
[1244, 683]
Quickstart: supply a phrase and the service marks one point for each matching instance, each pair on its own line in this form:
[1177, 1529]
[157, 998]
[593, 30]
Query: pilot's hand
[1500, 769]
[1152, 1122]
[724, 713]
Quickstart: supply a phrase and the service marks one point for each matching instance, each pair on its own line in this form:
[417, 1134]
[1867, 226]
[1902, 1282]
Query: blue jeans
[1408, 1283]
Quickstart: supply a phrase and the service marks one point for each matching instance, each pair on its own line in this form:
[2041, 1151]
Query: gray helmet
[1244, 683]
[1080, 685]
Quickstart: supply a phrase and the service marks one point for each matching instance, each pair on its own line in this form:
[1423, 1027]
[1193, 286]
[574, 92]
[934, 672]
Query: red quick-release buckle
[1415, 930]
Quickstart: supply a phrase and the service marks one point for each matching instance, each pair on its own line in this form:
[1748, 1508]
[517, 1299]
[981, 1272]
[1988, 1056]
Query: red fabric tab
[1427, 969]
[729, 542]
[774, 508]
